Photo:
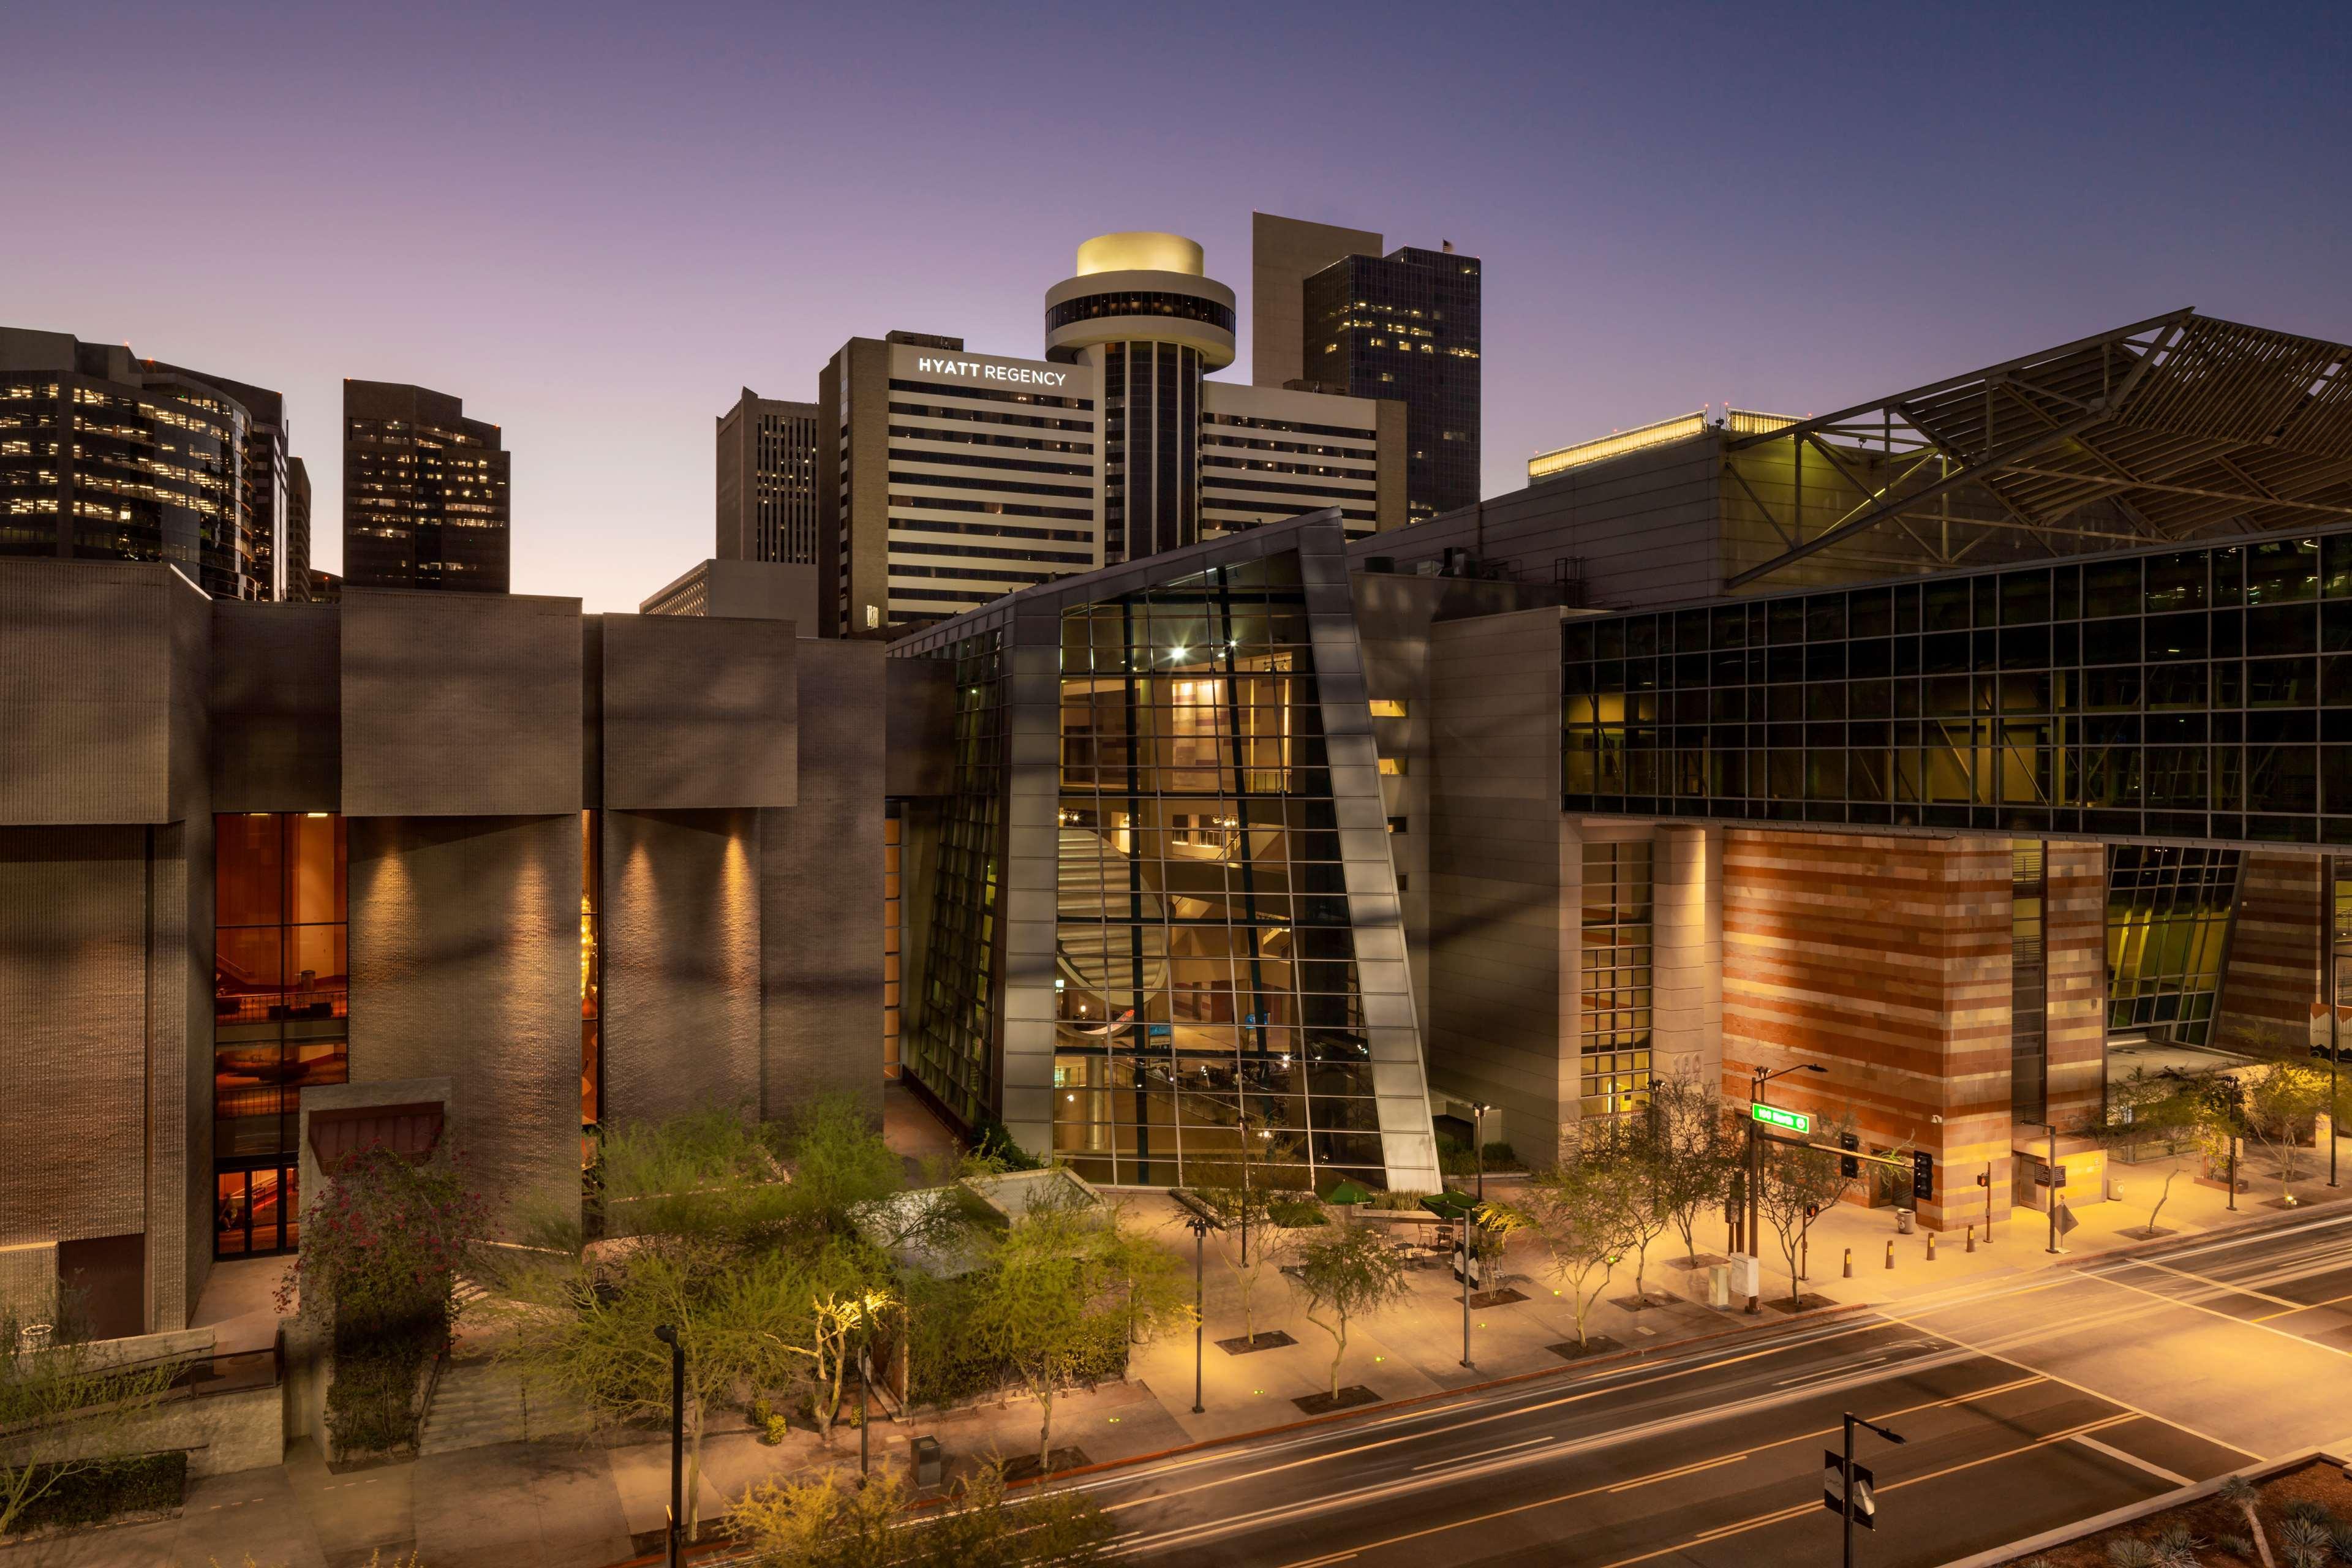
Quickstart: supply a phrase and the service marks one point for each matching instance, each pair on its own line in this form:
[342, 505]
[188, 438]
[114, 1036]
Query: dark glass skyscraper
[424, 491]
[1405, 326]
[104, 456]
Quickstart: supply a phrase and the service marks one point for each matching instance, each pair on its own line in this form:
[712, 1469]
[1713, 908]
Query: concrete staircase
[479, 1402]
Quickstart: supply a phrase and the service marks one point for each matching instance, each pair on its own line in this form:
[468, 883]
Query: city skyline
[1779, 218]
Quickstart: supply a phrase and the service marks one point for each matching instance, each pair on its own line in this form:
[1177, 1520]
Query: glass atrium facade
[2168, 916]
[2199, 692]
[1164, 834]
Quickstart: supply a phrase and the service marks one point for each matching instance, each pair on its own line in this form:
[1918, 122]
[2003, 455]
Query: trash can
[926, 1461]
[1905, 1222]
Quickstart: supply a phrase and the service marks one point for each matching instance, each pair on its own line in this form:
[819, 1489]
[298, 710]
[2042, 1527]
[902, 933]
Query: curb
[712, 1550]
[2131, 1513]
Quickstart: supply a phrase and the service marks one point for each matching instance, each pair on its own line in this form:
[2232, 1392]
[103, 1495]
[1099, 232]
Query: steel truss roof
[2178, 426]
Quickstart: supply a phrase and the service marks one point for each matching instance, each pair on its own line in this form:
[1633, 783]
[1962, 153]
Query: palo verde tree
[1063, 1290]
[1576, 1210]
[2283, 1099]
[1799, 1182]
[1639, 1167]
[67, 1406]
[1694, 1155]
[1343, 1275]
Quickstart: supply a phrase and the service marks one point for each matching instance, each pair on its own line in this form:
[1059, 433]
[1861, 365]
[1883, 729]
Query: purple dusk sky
[596, 223]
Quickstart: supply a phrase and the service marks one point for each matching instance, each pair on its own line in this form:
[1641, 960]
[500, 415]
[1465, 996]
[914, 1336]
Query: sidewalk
[561, 1505]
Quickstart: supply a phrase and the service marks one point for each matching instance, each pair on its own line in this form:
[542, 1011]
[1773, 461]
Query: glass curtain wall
[280, 1012]
[2201, 693]
[953, 1054]
[2168, 913]
[1613, 1027]
[1209, 1012]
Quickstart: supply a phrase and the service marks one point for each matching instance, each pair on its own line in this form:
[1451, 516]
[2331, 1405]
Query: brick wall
[1887, 961]
[2075, 940]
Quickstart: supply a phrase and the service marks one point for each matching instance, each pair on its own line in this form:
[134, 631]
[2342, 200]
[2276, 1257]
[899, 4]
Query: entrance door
[256, 1212]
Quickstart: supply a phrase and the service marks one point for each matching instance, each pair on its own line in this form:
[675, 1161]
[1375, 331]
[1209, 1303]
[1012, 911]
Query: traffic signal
[1848, 1166]
[1923, 1175]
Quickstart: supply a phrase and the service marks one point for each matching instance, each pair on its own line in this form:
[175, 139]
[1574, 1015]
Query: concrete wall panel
[464, 952]
[681, 941]
[821, 892]
[277, 707]
[461, 704]
[699, 714]
[87, 723]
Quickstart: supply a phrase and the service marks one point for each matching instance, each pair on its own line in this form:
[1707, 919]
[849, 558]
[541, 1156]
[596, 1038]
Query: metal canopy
[2171, 427]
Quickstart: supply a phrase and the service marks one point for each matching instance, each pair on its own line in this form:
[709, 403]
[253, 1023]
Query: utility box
[1744, 1277]
[928, 1467]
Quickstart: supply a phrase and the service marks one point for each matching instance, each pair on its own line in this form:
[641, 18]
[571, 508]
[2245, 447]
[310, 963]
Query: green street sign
[1773, 1116]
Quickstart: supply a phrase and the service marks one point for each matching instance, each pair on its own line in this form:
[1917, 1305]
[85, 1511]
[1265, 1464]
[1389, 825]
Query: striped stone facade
[1885, 960]
[2075, 938]
[2271, 988]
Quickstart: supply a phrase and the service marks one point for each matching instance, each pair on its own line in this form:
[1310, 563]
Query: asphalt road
[2028, 1401]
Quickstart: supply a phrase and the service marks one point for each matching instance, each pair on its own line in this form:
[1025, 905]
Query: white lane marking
[2112, 1452]
[1834, 1372]
[2187, 1305]
[1482, 1453]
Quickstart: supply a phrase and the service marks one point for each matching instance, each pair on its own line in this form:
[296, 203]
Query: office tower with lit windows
[424, 491]
[298, 572]
[1401, 326]
[108, 456]
[263, 480]
[947, 477]
[767, 481]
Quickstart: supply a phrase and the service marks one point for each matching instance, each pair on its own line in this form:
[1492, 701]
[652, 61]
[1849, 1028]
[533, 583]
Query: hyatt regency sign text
[981, 370]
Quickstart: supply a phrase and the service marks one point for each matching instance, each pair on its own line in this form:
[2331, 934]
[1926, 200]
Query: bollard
[1890, 1254]
[1972, 1238]
[1931, 1246]
[1849, 1262]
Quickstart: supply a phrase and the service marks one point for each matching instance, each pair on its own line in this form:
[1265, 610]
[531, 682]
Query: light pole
[1199, 1224]
[669, 1336]
[1852, 1421]
[1752, 1226]
[2335, 1041]
[1478, 1142]
[1467, 1264]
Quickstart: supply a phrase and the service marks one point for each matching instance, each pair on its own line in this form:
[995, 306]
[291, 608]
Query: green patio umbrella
[1345, 1197]
[1450, 1205]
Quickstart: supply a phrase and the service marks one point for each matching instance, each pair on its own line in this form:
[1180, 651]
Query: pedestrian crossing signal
[1848, 1166]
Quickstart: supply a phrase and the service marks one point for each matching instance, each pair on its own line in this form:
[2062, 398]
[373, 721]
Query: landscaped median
[2291, 1512]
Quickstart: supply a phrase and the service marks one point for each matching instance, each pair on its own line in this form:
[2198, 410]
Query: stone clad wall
[1887, 961]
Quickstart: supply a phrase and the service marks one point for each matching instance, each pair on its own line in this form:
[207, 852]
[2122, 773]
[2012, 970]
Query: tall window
[2168, 913]
[280, 1011]
[1209, 1016]
[591, 985]
[1614, 1025]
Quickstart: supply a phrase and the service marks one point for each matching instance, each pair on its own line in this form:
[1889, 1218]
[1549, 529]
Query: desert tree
[1063, 1282]
[69, 1405]
[2284, 1100]
[1342, 1277]
[1797, 1182]
[1575, 1211]
[1694, 1154]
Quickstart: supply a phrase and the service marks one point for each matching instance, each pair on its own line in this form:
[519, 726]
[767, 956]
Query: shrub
[1398, 1201]
[2130, 1552]
[1295, 1213]
[371, 1396]
[2305, 1542]
[126, 1486]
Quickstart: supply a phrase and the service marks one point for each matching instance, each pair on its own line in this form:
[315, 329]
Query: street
[2027, 1402]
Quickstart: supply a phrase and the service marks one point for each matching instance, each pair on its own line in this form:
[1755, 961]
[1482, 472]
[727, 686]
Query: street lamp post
[1752, 1225]
[2334, 1040]
[1479, 1140]
[1199, 1224]
[1852, 1421]
[669, 1336]
[1467, 1264]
